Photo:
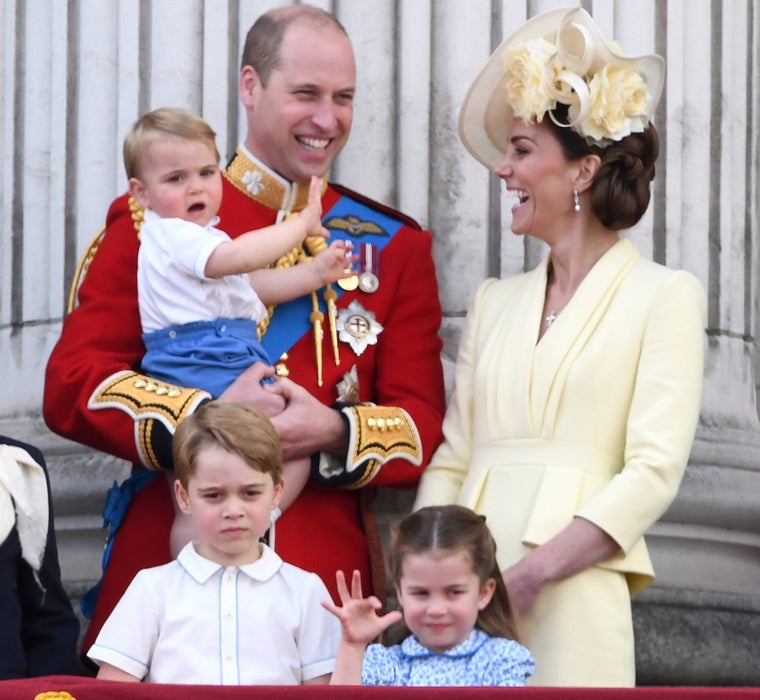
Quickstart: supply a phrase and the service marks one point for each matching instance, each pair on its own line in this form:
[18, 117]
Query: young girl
[458, 627]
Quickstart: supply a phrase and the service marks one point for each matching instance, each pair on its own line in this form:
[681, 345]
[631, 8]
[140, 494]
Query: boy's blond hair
[160, 124]
[237, 428]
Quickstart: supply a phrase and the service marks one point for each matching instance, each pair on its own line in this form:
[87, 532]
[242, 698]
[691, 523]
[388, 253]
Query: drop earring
[576, 200]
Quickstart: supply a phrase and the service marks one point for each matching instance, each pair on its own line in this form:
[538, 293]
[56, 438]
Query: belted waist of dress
[550, 453]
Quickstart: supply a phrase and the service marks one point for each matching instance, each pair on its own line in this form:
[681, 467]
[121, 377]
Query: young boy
[198, 308]
[228, 610]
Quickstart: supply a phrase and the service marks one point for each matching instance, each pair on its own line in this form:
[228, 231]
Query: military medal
[358, 327]
[348, 386]
[369, 267]
[349, 283]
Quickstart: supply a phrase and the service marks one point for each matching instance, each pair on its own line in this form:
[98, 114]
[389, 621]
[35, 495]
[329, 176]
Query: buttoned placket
[228, 627]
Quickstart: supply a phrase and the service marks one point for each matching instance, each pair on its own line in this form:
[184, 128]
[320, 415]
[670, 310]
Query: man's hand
[306, 425]
[247, 388]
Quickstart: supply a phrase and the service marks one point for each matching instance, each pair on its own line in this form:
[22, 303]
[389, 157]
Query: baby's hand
[312, 213]
[358, 616]
[334, 262]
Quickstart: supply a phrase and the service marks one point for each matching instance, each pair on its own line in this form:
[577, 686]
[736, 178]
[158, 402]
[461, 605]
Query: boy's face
[230, 504]
[179, 179]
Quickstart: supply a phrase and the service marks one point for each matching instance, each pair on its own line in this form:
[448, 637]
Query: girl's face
[230, 504]
[536, 171]
[441, 597]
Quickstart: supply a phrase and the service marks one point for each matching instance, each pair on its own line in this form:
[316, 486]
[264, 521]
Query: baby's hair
[160, 124]
[237, 428]
[443, 530]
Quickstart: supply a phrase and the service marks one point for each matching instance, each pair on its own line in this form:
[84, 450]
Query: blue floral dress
[478, 660]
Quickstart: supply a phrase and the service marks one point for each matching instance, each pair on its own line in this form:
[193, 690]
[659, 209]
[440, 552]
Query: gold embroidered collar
[262, 184]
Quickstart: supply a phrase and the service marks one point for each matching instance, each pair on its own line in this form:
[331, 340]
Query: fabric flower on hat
[605, 105]
[619, 104]
[526, 84]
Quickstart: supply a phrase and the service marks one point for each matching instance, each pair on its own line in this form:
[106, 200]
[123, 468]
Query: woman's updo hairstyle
[621, 190]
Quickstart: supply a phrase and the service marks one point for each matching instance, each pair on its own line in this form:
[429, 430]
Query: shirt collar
[201, 569]
[261, 183]
[411, 648]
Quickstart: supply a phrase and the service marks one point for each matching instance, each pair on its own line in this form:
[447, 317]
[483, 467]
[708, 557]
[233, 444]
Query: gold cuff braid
[146, 400]
[377, 434]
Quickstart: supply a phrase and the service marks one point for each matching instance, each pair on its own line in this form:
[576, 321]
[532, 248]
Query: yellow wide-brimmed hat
[559, 57]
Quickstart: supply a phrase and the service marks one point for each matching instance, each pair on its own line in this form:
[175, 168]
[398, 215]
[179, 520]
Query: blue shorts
[209, 355]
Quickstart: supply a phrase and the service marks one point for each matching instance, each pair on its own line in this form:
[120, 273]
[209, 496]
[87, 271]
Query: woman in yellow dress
[578, 384]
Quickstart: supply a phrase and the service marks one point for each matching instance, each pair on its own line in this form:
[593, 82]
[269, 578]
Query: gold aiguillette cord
[330, 297]
[317, 317]
[316, 244]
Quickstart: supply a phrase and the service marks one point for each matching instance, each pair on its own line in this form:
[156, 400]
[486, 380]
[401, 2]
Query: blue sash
[290, 321]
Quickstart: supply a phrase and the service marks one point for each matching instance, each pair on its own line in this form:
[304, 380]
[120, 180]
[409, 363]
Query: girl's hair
[444, 530]
[237, 428]
[159, 125]
[621, 190]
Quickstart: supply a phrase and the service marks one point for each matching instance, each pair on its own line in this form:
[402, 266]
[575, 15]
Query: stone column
[700, 622]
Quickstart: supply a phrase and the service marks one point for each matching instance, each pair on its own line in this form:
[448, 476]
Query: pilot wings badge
[355, 226]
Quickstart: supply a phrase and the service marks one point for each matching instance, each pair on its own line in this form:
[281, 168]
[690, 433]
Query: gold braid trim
[82, 267]
[145, 443]
[146, 400]
[377, 434]
[138, 215]
[54, 695]
[89, 253]
[266, 187]
[371, 468]
[141, 396]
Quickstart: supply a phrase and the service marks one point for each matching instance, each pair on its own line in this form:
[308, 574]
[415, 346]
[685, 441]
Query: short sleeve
[509, 666]
[319, 633]
[187, 244]
[129, 635]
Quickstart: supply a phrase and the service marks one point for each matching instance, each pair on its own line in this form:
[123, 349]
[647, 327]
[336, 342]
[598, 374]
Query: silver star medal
[348, 387]
[358, 327]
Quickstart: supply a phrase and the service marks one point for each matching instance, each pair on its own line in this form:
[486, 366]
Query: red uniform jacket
[94, 393]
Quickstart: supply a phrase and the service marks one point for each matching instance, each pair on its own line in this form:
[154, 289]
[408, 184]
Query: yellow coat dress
[594, 420]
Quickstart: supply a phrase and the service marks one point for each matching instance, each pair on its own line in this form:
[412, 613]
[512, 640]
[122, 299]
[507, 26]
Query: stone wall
[76, 74]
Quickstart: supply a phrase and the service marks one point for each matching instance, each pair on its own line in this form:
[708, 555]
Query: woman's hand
[523, 583]
[580, 545]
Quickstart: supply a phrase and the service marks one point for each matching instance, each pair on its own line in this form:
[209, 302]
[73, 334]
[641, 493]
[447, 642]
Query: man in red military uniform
[359, 366]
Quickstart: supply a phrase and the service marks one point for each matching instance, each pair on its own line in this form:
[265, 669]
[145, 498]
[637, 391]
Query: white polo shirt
[197, 622]
[172, 288]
